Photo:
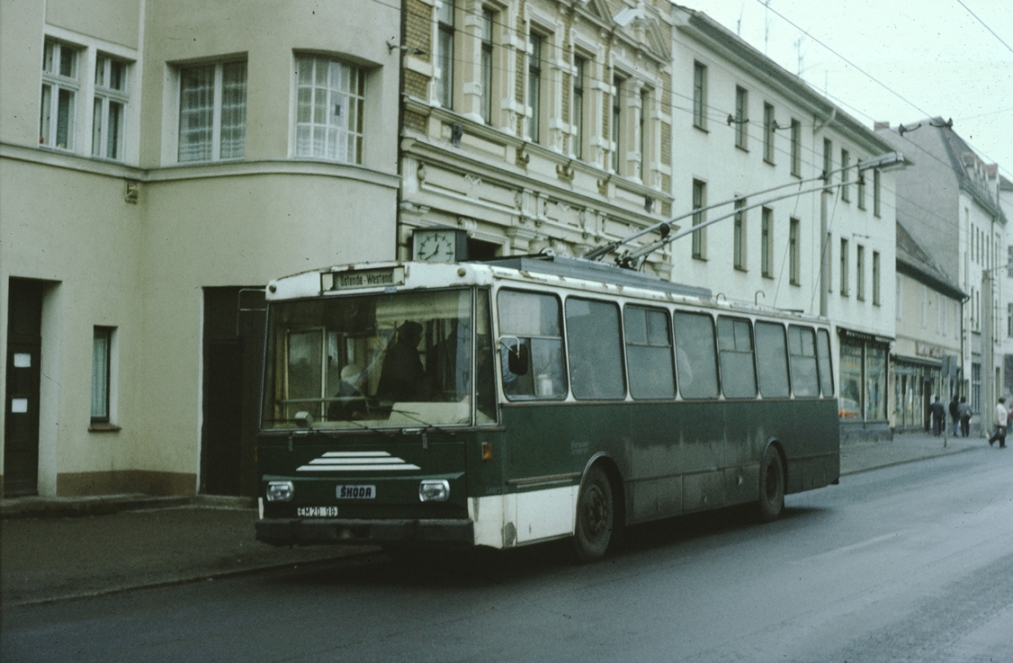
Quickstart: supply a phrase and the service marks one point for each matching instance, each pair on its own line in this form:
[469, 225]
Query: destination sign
[369, 278]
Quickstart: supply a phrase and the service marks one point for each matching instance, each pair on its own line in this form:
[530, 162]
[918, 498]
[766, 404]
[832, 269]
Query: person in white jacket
[1001, 415]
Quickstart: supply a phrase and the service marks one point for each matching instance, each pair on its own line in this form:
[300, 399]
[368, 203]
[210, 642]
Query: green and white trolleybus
[521, 400]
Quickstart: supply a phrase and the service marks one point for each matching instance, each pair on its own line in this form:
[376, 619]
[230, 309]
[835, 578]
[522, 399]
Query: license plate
[355, 492]
[317, 511]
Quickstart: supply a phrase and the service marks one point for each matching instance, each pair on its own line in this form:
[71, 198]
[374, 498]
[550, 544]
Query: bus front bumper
[311, 531]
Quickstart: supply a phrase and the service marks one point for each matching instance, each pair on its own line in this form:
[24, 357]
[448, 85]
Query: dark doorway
[233, 357]
[24, 356]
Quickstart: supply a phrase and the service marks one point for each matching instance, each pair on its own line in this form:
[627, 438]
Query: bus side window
[772, 360]
[802, 359]
[649, 352]
[823, 355]
[595, 350]
[531, 338]
[695, 355]
[735, 350]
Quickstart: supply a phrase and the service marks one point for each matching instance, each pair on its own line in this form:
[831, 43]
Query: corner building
[159, 162]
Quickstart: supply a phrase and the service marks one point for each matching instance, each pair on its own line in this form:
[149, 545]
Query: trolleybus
[521, 400]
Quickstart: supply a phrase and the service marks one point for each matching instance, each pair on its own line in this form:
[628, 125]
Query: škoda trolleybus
[521, 400]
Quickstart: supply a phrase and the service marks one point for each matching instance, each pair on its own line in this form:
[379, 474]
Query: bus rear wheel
[771, 500]
[596, 516]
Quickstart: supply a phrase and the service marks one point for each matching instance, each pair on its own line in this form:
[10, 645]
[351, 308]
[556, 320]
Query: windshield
[400, 359]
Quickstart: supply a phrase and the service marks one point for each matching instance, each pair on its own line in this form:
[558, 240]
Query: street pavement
[63, 548]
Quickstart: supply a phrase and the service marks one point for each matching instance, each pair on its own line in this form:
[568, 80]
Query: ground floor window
[914, 385]
[863, 379]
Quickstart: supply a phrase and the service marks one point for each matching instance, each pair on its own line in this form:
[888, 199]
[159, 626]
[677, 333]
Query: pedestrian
[955, 415]
[965, 417]
[1001, 420]
[938, 417]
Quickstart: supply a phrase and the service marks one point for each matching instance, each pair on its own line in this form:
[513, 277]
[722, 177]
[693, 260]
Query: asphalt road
[909, 563]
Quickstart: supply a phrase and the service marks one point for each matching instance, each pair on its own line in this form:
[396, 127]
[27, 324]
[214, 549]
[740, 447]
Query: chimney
[880, 125]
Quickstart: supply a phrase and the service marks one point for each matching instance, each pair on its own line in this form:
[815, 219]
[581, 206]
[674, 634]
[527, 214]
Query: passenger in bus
[402, 377]
[351, 394]
[512, 351]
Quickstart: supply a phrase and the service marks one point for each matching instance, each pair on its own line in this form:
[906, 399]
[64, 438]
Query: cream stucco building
[156, 158]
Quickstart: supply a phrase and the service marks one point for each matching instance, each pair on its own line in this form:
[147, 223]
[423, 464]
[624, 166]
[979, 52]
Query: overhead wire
[717, 115]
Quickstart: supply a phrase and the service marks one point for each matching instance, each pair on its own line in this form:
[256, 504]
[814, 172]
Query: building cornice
[464, 162]
[174, 173]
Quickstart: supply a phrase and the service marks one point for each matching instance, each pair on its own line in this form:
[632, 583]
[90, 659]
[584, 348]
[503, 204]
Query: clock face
[435, 246]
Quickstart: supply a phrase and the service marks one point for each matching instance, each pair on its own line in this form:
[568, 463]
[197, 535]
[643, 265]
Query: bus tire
[771, 500]
[596, 516]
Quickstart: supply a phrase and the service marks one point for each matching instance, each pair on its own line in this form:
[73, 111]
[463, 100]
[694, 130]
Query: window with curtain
[329, 115]
[212, 112]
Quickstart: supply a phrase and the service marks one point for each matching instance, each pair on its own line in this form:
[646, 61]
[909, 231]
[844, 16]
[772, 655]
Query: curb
[187, 579]
[34, 507]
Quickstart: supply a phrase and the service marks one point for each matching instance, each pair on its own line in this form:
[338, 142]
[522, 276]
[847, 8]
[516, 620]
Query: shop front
[863, 395]
[916, 382]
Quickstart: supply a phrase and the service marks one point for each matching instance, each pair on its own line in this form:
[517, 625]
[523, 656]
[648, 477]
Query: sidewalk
[129, 541]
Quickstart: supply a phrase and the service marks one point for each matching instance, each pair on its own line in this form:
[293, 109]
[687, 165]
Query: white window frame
[579, 104]
[769, 121]
[56, 83]
[488, 64]
[794, 251]
[699, 202]
[446, 35]
[216, 109]
[91, 53]
[741, 118]
[860, 272]
[537, 71]
[739, 243]
[699, 95]
[105, 99]
[346, 101]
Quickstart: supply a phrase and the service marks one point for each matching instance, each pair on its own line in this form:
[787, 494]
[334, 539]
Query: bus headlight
[280, 491]
[433, 490]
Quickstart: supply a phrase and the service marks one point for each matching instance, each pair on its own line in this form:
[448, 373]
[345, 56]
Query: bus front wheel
[771, 500]
[596, 516]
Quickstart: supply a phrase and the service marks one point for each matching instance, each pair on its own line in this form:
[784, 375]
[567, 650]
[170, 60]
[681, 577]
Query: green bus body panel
[671, 457]
[675, 457]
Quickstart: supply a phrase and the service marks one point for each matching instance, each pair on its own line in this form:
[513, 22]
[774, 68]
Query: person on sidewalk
[955, 415]
[1001, 417]
[938, 417]
[965, 417]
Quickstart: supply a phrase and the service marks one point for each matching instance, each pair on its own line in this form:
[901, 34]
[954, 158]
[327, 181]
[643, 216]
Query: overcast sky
[894, 60]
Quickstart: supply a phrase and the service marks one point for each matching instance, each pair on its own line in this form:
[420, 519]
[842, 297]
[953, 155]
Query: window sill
[700, 128]
[700, 258]
[769, 162]
[742, 147]
[740, 268]
[103, 428]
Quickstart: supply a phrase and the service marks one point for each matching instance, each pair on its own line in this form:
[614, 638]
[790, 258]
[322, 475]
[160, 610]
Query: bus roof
[544, 270]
